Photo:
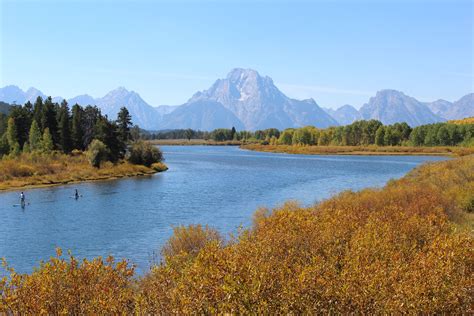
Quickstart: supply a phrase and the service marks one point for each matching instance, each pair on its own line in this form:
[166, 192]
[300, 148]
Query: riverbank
[32, 171]
[197, 142]
[361, 150]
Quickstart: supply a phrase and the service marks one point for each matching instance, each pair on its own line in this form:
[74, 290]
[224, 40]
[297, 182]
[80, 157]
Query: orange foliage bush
[62, 286]
[189, 240]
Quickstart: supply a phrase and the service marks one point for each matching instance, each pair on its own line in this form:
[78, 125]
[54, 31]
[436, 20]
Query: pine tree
[4, 147]
[47, 141]
[35, 137]
[23, 117]
[106, 132]
[65, 142]
[77, 132]
[48, 119]
[38, 111]
[89, 121]
[124, 122]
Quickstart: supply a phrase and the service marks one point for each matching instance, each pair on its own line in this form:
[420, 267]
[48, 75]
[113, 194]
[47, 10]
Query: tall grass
[361, 150]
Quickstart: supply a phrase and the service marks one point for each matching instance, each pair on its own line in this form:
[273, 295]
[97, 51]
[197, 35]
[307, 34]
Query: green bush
[143, 153]
[97, 153]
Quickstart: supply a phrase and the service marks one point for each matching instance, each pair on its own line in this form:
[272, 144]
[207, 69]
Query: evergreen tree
[35, 137]
[38, 111]
[65, 142]
[22, 116]
[4, 147]
[91, 116]
[124, 122]
[77, 132]
[3, 123]
[48, 120]
[106, 132]
[47, 142]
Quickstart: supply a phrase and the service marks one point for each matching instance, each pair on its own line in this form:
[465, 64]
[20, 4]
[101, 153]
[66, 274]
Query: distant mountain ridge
[462, 108]
[392, 106]
[142, 113]
[246, 100]
[346, 114]
[258, 103]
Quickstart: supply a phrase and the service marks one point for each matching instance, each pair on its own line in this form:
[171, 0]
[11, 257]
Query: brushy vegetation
[406, 248]
[70, 287]
[361, 150]
[36, 169]
[142, 153]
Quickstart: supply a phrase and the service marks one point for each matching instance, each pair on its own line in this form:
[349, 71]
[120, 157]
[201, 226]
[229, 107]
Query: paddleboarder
[22, 198]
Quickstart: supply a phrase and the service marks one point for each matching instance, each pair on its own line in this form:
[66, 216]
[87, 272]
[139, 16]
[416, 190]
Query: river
[219, 186]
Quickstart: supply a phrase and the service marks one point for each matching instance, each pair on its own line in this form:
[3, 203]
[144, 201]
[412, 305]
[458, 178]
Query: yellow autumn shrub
[69, 287]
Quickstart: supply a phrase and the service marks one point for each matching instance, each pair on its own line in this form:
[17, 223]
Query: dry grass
[361, 150]
[467, 120]
[185, 142]
[33, 170]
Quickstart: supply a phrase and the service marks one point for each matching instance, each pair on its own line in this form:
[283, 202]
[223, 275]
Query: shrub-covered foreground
[408, 247]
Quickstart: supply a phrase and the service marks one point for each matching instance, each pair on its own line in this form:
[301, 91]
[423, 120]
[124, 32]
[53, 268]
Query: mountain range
[247, 100]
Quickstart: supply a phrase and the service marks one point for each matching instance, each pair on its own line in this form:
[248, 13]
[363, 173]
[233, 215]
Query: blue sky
[336, 52]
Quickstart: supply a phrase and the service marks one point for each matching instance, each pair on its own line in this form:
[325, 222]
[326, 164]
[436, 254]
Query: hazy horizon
[336, 53]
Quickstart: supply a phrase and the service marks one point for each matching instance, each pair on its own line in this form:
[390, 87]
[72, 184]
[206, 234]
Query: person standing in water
[22, 198]
[76, 195]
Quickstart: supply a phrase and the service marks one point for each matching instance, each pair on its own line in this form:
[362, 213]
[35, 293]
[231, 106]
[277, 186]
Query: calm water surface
[219, 186]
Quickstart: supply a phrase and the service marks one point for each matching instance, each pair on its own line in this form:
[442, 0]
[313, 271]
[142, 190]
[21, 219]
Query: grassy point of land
[361, 150]
[29, 171]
